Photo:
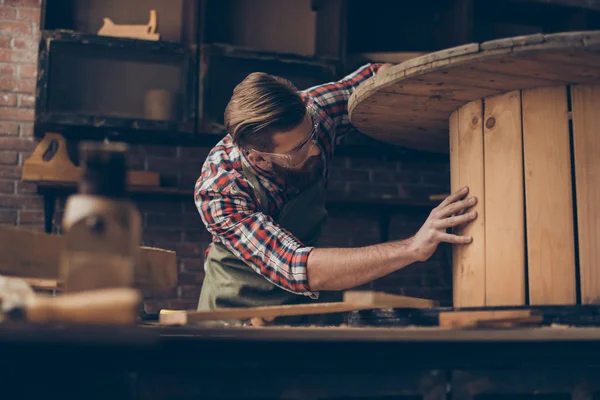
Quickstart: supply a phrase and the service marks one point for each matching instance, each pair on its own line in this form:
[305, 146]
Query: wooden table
[295, 363]
[520, 118]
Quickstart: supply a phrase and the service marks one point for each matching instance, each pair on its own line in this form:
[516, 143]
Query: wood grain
[469, 260]
[504, 202]
[548, 194]
[352, 301]
[29, 254]
[467, 73]
[469, 319]
[586, 151]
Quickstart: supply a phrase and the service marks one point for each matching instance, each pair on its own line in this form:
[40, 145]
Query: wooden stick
[464, 319]
[353, 301]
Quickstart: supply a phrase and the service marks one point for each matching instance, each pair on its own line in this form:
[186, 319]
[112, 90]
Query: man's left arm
[332, 99]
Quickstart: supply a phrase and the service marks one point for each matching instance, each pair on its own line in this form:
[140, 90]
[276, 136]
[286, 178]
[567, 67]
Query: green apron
[229, 282]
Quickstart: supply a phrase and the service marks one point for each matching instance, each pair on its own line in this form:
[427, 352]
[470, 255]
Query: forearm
[346, 268]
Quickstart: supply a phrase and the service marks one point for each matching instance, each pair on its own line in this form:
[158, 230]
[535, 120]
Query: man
[261, 195]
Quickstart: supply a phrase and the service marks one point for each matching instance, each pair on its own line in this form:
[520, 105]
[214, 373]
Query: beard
[303, 177]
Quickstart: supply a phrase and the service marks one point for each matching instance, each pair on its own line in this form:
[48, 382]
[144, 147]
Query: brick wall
[175, 224]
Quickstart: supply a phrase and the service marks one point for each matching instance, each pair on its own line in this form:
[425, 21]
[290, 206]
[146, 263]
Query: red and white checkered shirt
[230, 207]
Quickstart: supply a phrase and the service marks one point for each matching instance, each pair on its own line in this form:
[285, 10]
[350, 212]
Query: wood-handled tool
[115, 306]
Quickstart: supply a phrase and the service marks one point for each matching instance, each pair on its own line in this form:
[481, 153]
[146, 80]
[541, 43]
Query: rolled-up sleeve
[231, 215]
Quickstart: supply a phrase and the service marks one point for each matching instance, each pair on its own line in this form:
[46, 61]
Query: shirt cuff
[299, 263]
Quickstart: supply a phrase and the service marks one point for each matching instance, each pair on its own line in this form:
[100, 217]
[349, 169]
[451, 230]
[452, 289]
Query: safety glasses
[298, 154]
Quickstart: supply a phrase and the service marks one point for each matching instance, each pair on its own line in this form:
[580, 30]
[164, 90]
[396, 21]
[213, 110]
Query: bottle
[102, 227]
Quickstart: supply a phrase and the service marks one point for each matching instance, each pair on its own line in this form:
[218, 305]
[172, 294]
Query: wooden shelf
[137, 192]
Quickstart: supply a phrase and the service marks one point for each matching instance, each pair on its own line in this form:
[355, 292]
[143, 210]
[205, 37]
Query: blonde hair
[260, 105]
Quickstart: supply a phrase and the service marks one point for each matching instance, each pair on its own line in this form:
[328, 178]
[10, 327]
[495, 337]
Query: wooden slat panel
[469, 260]
[549, 208]
[504, 203]
[586, 149]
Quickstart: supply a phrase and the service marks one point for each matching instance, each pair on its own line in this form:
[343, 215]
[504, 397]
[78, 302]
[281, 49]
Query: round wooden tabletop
[409, 104]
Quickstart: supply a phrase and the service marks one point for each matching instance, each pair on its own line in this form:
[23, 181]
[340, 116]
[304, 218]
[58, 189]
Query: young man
[261, 195]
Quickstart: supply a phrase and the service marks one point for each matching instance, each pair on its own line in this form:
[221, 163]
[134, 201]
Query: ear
[258, 160]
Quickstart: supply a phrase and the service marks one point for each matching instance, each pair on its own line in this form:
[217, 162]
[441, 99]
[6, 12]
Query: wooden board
[353, 301]
[30, 254]
[548, 194]
[468, 73]
[586, 148]
[469, 319]
[504, 202]
[469, 261]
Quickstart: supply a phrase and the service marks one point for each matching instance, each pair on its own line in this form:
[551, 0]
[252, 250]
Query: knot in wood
[474, 121]
[491, 121]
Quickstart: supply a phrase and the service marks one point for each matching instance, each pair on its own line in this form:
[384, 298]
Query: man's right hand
[449, 214]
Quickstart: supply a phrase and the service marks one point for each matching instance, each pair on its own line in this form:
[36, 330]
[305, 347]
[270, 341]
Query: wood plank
[504, 201]
[469, 319]
[30, 254]
[548, 197]
[586, 150]
[469, 260]
[387, 300]
[352, 302]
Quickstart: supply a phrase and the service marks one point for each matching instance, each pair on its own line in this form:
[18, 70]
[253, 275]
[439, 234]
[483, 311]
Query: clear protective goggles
[298, 154]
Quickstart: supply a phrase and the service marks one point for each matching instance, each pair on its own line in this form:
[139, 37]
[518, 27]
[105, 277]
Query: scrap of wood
[145, 32]
[469, 319]
[31, 254]
[353, 301]
[50, 162]
[387, 300]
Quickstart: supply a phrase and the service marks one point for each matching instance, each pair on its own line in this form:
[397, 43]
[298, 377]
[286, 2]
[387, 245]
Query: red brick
[33, 227]
[5, 55]
[193, 264]
[8, 84]
[8, 71]
[26, 188]
[23, 3]
[7, 187]
[155, 150]
[29, 15]
[26, 86]
[161, 294]
[24, 44]
[18, 56]
[161, 236]
[26, 130]
[13, 28]
[16, 114]
[29, 202]
[28, 71]
[4, 42]
[8, 100]
[199, 235]
[190, 291]
[190, 249]
[18, 144]
[31, 217]
[8, 157]
[8, 217]
[191, 278]
[195, 153]
[10, 172]
[8, 13]
[26, 101]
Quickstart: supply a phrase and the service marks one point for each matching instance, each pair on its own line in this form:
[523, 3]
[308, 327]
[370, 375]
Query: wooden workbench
[520, 119]
[149, 362]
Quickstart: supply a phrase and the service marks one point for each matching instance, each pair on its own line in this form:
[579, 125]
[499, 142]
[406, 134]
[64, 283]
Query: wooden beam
[353, 301]
[29, 254]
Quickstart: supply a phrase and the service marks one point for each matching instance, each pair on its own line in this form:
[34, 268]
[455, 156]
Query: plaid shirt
[230, 207]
